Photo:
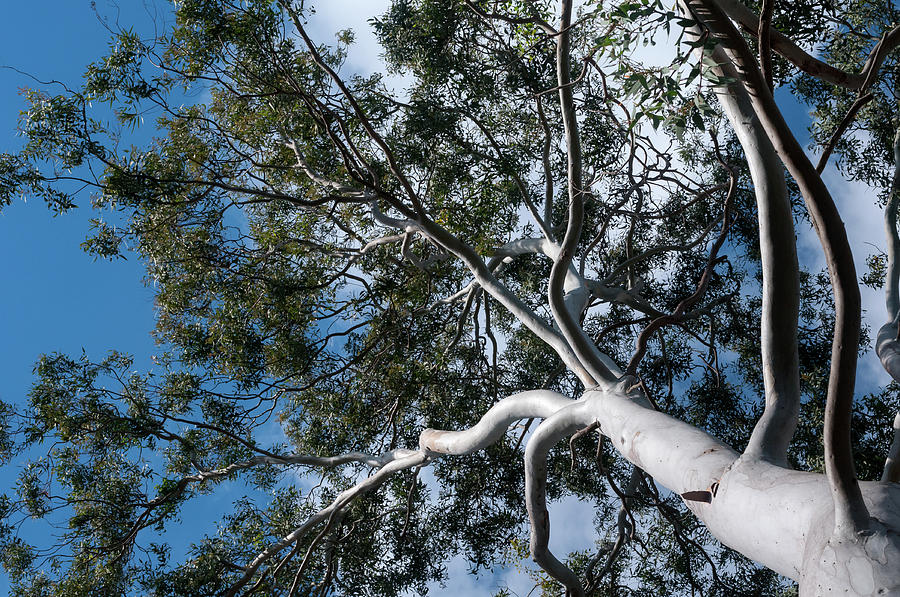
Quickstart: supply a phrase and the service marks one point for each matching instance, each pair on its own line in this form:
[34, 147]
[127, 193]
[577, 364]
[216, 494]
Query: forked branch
[751, 23]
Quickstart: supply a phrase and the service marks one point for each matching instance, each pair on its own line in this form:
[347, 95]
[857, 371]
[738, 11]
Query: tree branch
[408, 460]
[764, 35]
[781, 281]
[892, 464]
[571, 330]
[887, 343]
[750, 23]
[861, 101]
[492, 426]
[563, 423]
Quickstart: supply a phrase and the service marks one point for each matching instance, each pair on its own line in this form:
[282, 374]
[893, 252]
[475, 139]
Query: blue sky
[54, 297]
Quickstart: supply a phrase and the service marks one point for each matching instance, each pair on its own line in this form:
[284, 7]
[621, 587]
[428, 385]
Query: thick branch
[525, 405]
[892, 292]
[750, 23]
[892, 465]
[778, 517]
[781, 282]
[561, 424]
[887, 346]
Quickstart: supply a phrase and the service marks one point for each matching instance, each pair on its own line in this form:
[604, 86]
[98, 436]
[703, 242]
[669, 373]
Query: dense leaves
[301, 313]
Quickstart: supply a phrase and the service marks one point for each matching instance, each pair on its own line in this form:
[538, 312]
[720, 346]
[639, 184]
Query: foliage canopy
[340, 263]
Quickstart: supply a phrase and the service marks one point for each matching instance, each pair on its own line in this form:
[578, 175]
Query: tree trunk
[779, 517]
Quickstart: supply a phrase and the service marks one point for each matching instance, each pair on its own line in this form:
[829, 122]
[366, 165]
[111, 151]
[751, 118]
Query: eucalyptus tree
[381, 309]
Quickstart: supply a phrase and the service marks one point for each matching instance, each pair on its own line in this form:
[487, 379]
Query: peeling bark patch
[862, 577]
[698, 496]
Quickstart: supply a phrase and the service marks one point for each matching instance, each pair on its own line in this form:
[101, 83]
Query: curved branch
[750, 23]
[687, 302]
[631, 298]
[764, 35]
[561, 424]
[661, 249]
[842, 126]
[887, 346]
[300, 459]
[892, 465]
[571, 330]
[624, 526]
[492, 426]
[781, 280]
[484, 277]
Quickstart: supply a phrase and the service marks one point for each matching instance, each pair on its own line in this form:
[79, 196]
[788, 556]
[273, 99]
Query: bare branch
[571, 331]
[764, 35]
[887, 343]
[493, 425]
[750, 23]
[892, 465]
[357, 110]
[686, 303]
[892, 284]
[781, 281]
[861, 101]
[624, 527]
[564, 422]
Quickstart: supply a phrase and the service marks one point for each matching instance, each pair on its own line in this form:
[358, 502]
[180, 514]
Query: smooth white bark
[525, 405]
[561, 424]
[562, 309]
[887, 346]
[778, 517]
[892, 465]
[851, 515]
[780, 272]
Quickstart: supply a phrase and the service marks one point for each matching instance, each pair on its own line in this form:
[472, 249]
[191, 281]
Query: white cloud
[365, 56]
